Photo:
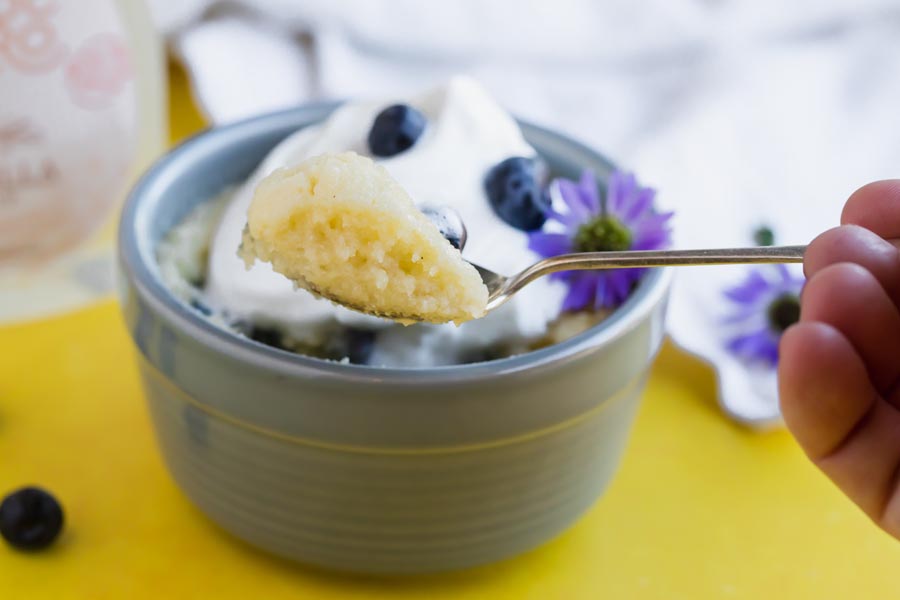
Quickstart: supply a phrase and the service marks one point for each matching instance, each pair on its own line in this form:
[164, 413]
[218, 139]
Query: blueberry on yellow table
[30, 518]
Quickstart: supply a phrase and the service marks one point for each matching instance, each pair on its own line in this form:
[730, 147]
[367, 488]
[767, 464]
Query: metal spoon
[501, 288]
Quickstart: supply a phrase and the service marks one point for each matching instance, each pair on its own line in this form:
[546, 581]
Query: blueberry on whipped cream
[448, 222]
[395, 130]
[516, 193]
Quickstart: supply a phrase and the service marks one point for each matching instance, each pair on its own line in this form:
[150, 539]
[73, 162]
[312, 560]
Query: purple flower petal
[590, 195]
[653, 240]
[642, 200]
[653, 221]
[549, 244]
[601, 292]
[748, 292]
[570, 220]
[620, 284]
[769, 353]
[620, 188]
[749, 342]
[760, 345]
[741, 316]
[571, 195]
[652, 233]
[578, 202]
[757, 340]
[783, 272]
[581, 290]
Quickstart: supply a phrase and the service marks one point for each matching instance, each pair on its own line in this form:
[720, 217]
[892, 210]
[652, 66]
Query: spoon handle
[669, 258]
[502, 288]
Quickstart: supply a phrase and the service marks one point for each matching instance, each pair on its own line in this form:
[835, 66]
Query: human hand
[839, 367]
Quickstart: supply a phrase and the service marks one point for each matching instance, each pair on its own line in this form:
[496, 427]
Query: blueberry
[360, 343]
[448, 222]
[30, 519]
[270, 336]
[200, 307]
[477, 355]
[395, 130]
[354, 344]
[516, 194]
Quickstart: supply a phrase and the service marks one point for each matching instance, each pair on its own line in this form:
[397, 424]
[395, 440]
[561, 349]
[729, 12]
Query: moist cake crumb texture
[340, 226]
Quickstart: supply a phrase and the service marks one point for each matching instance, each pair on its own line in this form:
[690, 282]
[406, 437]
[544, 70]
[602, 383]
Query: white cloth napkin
[739, 113]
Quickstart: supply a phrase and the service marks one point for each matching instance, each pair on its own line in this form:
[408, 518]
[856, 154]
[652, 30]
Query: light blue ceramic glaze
[367, 469]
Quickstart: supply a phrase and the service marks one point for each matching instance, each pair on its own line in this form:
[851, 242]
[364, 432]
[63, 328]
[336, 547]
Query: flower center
[783, 312]
[602, 234]
[764, 236]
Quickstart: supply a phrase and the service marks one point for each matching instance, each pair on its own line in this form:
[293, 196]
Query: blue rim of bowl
[136, 255]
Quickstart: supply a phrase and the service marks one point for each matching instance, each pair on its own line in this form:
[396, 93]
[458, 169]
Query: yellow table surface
[701, 507]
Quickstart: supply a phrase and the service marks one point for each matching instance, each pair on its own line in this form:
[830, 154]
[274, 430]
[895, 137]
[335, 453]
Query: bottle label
[67, 126]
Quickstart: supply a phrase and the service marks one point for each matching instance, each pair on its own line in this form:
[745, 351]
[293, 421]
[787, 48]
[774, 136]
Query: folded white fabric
[739, 113]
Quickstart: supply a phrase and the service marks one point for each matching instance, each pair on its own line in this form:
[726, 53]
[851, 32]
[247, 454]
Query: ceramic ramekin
[367, 469]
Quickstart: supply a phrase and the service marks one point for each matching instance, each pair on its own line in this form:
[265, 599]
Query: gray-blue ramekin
[367, 469]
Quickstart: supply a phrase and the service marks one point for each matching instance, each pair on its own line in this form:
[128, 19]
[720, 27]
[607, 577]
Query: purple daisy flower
[624, 219]
[767, 302]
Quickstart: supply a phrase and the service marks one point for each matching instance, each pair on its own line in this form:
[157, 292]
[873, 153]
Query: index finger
[876, 207]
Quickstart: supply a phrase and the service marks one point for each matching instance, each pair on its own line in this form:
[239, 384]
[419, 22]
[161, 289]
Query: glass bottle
[82, 113]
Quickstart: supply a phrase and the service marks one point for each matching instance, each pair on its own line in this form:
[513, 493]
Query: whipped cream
[467, 134]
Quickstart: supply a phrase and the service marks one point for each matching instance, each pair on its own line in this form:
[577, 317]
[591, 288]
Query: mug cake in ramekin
[347, 442]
